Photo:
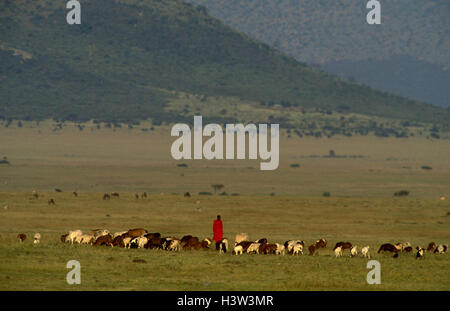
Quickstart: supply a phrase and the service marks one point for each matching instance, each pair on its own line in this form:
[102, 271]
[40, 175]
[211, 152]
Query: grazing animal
[365, 251]
[431, 247]
[154, 235]
[261, 241]
[442, 198]
[289, 245]
[321, 243]
[35, 194]
[420, 252]
[253, 248]
[104, 240]
[134, 233]
[387, 247]
[140, 241]
[87, 239]
[73, 235]
[312, 249]
[240, 237]
[245, 245]
[354, 251]
[51, 201]
[58, 190]
[344, 245]
[75, 193]
[115, 194]
[267, 249]
[187, 195]
[137, 196]
[401, 246]
[408, 249]
[96, 233]
[37, 238]
[297, 249]
[106, 196]
[116, 234]
[280, 249]
[223, 246]
[185, 238]
[144, 195]
[64, 238]
[338, 251]
[238, 250]
[21, 237]
[174, 245]
[191, 242]
[441, 249]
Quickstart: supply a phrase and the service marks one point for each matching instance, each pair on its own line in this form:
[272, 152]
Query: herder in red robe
[218, 231]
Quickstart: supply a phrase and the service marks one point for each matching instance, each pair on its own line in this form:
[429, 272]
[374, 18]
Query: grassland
[361, 209]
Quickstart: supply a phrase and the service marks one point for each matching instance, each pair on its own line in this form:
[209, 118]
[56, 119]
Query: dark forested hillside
[336, 32]
[129, 58]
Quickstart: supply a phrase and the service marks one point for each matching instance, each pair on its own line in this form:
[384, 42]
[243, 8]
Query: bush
[326, 194]
[204, 193]
[426, 167]
[401, 193]
[182, 165]
[295, 165]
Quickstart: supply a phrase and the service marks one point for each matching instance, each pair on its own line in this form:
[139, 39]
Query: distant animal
[106, 196]
[442, 198]
[187, 195]
[223, 246]
[63, 238]
[344, 245]
[261, 241]
[253, 248]
[408, 249]
[116, 234]
[185, 238]
[321, 244]
[115, 194]
[75, 193]
[35, 194]
[96, 233]
[431, 247]
[51, 201]
[104, 240]
[240, 237]
[137, 196]
[37, 238]
[354, 251]
[238, 250]
[401, 246]
[246, 244]
[87, 239]
[21, 237]
[420, 252]
[312, 249]
[267, 249]
[441, 249]
[289, 245]
[144, 195]
[140, 241]
[297, 249]
[72, 236]
[174, 245]
[280, 250]
[338, 251]
[365, 251]
[58, 190]
[134, 233]
[388, 247]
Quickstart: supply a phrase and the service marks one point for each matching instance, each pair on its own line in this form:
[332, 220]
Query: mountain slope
[128, 58]
[327, 32]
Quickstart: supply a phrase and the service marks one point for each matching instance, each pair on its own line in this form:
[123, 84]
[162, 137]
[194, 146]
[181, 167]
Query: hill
[326, 33]
[129, 59]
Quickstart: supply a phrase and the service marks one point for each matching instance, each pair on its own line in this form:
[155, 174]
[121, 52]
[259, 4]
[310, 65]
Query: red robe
[218, 230]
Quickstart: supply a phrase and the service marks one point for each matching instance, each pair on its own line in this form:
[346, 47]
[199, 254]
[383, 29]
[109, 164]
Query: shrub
[326, 194]
[401, 193]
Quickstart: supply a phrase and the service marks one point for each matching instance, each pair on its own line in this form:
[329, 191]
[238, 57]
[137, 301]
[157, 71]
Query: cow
[431, 247]
[238, 250]
[354, 251]
[104, 240]
[365, 251]
[253, 248]
[387, 247]
[190, 242]
[106, 196]
[338, 251]
[73, 235]
[441, 249]
[51, 201]
[240, 237]
[185, 238]
[21, 237]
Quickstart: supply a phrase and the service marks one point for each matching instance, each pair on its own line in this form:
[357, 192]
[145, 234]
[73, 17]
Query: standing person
[218, 231]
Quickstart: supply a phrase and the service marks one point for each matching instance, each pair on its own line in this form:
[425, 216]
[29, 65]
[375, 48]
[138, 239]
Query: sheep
[354, 251]
[441, 249]
[174, 245]
[253, 248]
[291, 243]
[338, 251]
[297, 249]
[37, 238]
[116, 234]
[127, 242]
[87, 239]
[240, 238]
[238, 250]
[223, 246]
[365, 251]
[73, 235]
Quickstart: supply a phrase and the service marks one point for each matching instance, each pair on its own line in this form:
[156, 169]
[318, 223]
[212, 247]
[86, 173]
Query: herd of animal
[141, 238]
